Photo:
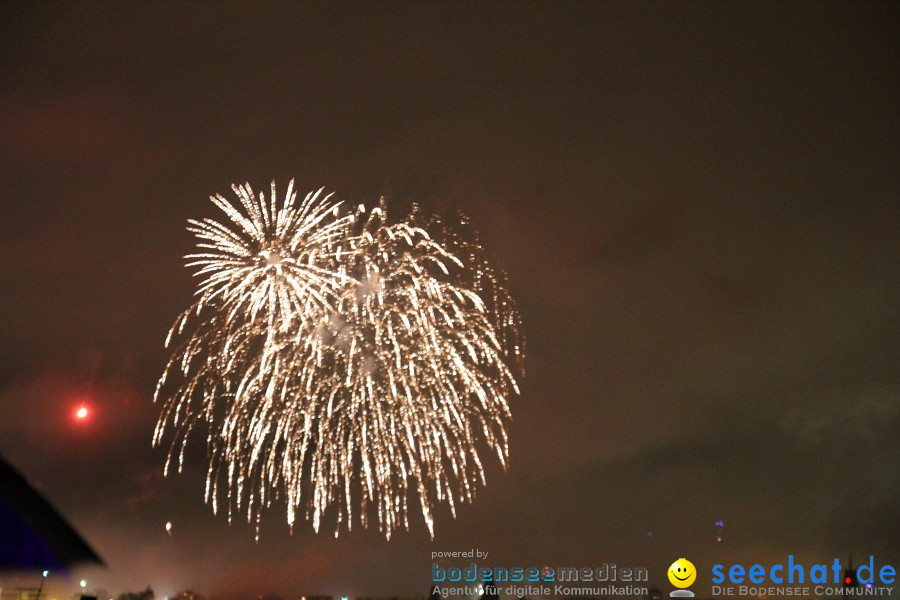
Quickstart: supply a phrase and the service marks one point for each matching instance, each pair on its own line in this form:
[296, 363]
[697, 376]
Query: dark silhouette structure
[35, 536]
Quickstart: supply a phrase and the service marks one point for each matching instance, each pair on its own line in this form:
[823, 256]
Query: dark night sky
[696, 204]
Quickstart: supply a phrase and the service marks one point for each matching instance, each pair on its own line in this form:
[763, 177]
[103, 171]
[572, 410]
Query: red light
[82, 413]
[848, 580]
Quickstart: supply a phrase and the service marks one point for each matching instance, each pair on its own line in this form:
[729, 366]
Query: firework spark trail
[266, 279]
[342, 362]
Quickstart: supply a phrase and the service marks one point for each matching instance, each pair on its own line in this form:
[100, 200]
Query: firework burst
[341, 362]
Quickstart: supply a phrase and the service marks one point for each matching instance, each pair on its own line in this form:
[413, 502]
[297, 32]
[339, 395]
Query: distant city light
[83, 583]
[169, 527]
[720, 525]
[45, 573]
[82, 413]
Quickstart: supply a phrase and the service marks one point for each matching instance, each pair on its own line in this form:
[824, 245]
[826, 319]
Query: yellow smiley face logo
[682, 573]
